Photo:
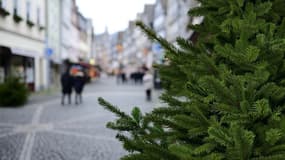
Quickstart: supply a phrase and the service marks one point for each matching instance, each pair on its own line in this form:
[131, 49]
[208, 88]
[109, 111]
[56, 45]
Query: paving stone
[11, 146]
[48, 131]
[16, 115]
[67, 147]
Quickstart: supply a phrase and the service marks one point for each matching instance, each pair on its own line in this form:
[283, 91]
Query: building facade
[160, 27]
[145, 45]
[129, 53]
[53, 40]
[85, 32]
[177, 19]
[76, 33]
[173, 15]
[69, 31]
[102, 50]
[22, 23]
[90, 39]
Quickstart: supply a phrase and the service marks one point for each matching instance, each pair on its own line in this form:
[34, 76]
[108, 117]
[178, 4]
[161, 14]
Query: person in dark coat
[78, 84]
[66, 83]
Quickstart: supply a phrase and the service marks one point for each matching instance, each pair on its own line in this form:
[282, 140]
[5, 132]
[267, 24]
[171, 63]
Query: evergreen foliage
[225, 94]
[13, 92]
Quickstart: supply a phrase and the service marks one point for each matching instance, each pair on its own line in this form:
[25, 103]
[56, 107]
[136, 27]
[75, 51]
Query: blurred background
[38, 36]
[41, 40]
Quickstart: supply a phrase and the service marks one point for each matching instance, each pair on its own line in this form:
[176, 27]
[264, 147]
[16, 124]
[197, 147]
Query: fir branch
[170, 100]
[225, 93]
[182, 151]
[278, 149]
[186, 45]
[221, 136]
[204, 149]
[129, 144]
[112, 108]
[162, 121]
[137, 156]
[271, 157]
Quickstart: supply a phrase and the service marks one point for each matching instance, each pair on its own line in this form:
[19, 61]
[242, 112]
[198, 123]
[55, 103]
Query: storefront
[23, 66]
[14, 62]
[54, 75]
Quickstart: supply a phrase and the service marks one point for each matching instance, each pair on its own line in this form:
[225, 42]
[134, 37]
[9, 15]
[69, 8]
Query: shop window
[17, 67]
[29, 71]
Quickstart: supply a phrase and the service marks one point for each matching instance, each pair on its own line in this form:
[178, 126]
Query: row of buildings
[38, 35]
[168, 18]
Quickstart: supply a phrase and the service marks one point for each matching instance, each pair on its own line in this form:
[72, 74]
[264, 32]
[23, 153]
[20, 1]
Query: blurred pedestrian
[118, 76]
[148, 84]
[123, 77]
[78, 84]
[66, 84]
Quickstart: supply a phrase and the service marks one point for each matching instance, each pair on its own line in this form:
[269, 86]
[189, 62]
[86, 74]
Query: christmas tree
[225, 93]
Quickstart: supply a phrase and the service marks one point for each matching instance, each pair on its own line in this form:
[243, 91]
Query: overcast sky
[114, 14]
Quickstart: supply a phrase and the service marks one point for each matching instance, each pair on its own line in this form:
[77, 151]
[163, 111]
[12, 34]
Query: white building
[69, 31]
[173, 15]
[85, 32]
[76, 33]
[129, 52]
[53, 39]
[22, 41]
[177, 19]
[90, 36]
[160, 15]
[160, 27]
[102, 50]
[143, 43]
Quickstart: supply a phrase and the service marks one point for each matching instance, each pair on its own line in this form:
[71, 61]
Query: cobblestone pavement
[48, 131]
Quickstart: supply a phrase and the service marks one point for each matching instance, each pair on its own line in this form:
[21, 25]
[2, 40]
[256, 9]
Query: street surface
[45, 130]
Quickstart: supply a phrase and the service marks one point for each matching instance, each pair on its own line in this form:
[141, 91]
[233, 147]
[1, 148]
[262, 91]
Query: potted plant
[16, 17]
[30, 23]
[3, 11]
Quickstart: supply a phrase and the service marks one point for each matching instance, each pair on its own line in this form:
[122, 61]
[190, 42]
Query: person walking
[66, 84]
[79, 82]
[148, 84]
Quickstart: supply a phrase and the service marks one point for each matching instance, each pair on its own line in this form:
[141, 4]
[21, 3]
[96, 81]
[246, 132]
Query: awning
[23, 52]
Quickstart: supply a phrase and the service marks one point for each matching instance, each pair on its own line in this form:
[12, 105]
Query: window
[28, 10]
[3, 4]
[38, 16]
[16, 10]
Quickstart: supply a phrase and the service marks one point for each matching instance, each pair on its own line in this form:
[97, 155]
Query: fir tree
[225, 94]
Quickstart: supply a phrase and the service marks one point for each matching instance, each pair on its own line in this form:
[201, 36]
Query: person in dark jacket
[78, 84]
[66, 83]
